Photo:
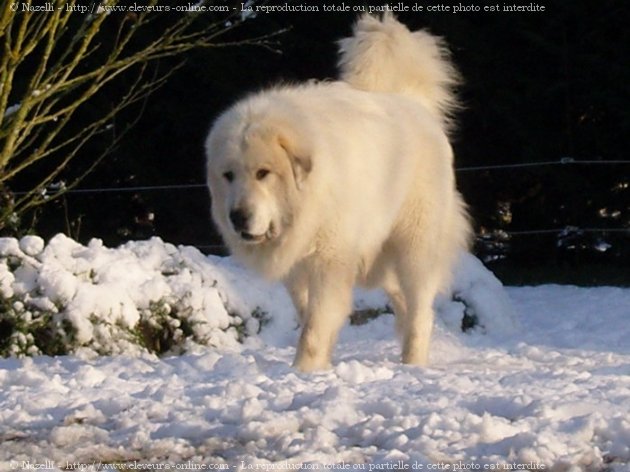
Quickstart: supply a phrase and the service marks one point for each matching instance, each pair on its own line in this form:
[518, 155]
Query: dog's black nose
[239, 219]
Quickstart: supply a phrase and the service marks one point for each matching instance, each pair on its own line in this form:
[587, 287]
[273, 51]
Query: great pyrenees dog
[329, 185]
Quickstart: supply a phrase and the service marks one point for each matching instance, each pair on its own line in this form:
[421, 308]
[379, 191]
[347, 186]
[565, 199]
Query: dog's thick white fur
[329, 185]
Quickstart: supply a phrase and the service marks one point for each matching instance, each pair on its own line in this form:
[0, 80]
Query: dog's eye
[229, 176]
[262, 173]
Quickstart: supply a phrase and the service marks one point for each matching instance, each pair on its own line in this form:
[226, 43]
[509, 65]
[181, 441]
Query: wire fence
[565, 161]
[147, 188]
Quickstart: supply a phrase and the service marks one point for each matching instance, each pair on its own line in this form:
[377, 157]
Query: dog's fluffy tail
[382, 55]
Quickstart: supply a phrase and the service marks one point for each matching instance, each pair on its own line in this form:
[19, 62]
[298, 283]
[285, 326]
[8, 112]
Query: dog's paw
[306, 364]
[415, 355]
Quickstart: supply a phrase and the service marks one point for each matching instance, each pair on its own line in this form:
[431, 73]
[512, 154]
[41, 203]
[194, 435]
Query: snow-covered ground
[550, 389]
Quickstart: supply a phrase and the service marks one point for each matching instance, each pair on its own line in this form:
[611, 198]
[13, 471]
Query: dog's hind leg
[418, 277]
[397, 300]
[417, 326]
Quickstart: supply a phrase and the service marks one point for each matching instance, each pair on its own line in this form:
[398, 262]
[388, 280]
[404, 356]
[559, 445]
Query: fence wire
[565, 161]
[147, 188]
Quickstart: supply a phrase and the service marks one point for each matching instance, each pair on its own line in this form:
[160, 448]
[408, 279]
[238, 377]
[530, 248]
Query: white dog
[328, 185]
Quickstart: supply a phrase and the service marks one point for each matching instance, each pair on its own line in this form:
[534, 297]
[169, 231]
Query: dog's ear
[301, 163]
[301, 166]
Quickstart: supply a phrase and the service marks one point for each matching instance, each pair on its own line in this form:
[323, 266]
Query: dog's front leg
[329, 304]
[297, 285]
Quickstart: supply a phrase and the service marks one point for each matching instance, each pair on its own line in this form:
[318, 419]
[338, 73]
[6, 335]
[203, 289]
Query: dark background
[539, 87]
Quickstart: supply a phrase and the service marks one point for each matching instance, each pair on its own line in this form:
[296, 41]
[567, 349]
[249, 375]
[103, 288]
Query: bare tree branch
[53, 64]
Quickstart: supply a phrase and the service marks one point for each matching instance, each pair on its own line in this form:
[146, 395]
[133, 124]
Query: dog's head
[255, 172]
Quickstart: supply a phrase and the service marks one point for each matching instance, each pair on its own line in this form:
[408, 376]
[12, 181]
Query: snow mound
[64, 297]
[478, 300]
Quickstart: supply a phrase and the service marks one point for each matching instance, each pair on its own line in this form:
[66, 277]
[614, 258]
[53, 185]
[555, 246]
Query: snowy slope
[554, 392]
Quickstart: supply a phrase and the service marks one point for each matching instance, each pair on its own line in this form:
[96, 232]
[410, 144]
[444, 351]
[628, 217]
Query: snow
[105, 293]
[541, 382]
[10, 110]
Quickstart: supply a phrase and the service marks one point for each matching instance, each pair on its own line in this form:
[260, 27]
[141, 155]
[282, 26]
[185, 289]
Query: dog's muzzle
[240, 220]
